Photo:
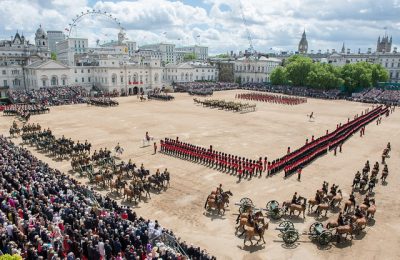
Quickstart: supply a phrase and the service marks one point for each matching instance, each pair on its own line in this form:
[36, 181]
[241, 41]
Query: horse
[118, 150]
[244, 220]
[251, 231]
[370, 210]
[321, 207]
[146, 141]
[336, 200]
[216, 203]
[348, 205]
[288, 205]
[346, 229]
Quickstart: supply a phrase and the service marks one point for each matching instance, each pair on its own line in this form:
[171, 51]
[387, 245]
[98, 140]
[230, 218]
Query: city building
[190, 72]
[54, 37]
[201, 52]
[254, 69]
[66, 49]
[303, 44]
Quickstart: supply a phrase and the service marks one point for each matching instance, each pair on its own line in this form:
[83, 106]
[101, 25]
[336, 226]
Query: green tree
[324, 76]
[53, 56]
[189, 57]
[223, 55]
[378, 74]
[279, 76]
[298, 67]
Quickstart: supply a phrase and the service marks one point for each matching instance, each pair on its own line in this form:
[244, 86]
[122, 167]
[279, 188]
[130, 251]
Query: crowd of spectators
[53, 96]
[45, 214]
[377, 95]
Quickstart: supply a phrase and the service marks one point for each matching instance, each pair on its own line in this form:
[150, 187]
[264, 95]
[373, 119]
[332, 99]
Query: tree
[324, 76]
[53, 56]
[189, 57]
[378, 74]
[279, 76]
[297, 68]
[224, 55]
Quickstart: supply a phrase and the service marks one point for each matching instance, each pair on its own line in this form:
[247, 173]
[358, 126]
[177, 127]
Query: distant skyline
[273, 25]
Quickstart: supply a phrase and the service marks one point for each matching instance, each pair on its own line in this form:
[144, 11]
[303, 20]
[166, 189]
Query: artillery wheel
[286, 225]
[290, 236]
[325, 238]
[269, 203]
[244, 207]
[277, 215]
[313, 226]
[246, 201]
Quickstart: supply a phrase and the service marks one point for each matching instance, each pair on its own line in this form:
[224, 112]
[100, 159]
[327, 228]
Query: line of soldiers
[240, 166]
[277, 99]
[102, 101]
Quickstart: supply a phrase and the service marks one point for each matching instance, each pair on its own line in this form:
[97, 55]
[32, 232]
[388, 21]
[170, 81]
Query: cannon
[319, 233]
[289, 234]
[273, 210]
[244, 205]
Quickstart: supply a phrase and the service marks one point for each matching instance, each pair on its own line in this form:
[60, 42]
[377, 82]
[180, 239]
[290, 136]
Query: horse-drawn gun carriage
[226, 105]
[317, 232]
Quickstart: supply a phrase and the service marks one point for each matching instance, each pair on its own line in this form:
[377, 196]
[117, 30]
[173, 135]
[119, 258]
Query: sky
[273, 25]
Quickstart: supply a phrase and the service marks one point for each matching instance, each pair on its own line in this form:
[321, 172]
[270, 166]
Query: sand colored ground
[266, 132]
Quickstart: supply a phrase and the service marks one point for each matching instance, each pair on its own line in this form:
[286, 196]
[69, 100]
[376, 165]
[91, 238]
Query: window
[76, 80]
[88, 79]
[4, 72]
[88, 70]
[122, 79]
[81, 70]
[5, 83]
[83, 79]
[75, 71]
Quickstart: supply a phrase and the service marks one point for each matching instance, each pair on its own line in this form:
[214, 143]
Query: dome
[40, 31]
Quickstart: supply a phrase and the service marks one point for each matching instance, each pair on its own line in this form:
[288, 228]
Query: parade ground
[268, 131]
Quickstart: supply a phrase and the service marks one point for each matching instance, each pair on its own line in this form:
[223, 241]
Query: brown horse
[337, 199]
[215, 204]
[321, 207]
[295, 207]
[370, 210]
[348, 205]
[345, 230]
[244, 220]
[258, 229]
[100, 180]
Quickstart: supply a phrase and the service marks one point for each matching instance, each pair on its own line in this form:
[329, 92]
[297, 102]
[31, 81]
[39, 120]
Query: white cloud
[272, 24]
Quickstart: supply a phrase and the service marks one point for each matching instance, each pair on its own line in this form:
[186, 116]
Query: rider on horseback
[352, 199]
[341, 221]
[318, 198]
[358, 213]
[296, 199]
[219, 189]
[147, 136]
[367, 201]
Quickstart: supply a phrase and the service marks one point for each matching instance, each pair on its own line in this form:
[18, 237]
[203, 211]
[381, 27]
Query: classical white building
[190, 72]
[48, 73]
[254, 69]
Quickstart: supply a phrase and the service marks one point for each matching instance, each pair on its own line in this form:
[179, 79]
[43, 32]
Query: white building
[167, 51]
[254, 69]
[67, 49]
[201, 52]
[48, 73]
[190, 72]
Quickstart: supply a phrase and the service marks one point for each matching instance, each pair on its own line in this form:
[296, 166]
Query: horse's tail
[205, 205]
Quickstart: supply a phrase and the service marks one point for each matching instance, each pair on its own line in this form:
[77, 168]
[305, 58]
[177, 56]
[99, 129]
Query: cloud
[272, 24]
